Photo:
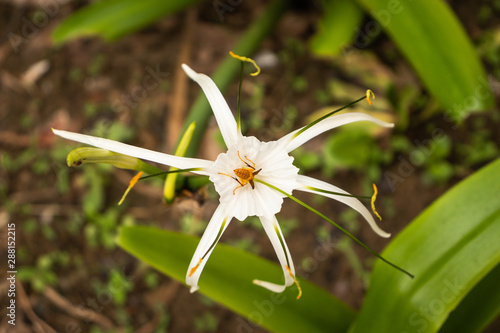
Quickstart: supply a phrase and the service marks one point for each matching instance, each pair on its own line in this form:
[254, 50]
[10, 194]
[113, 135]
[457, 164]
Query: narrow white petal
[274, 233]
[218, 223]
[307, 182]
[325, 125]
[276, 288]
[222, 112]
[145, 154]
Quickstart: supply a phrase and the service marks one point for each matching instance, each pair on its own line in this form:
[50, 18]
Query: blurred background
[72, 277]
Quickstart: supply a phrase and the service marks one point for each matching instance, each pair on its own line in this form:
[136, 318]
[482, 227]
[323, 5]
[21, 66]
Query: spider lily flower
[241, 177]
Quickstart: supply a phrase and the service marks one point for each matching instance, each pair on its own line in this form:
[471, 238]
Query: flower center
[245, 174]
[235, 172]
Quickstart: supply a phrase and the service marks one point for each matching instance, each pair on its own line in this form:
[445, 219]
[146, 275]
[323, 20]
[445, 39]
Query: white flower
[237, 173]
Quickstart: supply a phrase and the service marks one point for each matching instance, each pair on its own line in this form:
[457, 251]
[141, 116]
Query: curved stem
[227, 70]
[328, 115]
[338, 226]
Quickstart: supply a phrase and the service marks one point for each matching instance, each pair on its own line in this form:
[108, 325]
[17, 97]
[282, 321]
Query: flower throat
[245, 174]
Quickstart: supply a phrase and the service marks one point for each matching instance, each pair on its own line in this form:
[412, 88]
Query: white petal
[325, 125]
[145, 154]
[354, 203]
[277, 169]
[275, 288]
[218, 223]
[274, 233]
[222, 112]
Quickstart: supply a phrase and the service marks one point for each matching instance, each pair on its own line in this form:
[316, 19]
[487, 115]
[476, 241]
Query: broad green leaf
[337, 27]
[227, 278]
[478, 308]
[350, 148]
[112, 19]
[435, 43]
[450, 248]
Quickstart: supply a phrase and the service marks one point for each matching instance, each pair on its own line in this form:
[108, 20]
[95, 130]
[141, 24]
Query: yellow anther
[247, 60]
[374, 197]
[295, 281]
[191, 272]
[368, 94]
[131, 184]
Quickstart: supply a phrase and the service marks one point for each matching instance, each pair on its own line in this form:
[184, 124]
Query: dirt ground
[79, 86]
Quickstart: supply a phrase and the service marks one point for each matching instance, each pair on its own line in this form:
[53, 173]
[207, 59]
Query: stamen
[191, 272]
[131, 184]
[338, 193]
[368, 94]
[170, 171]
[337, 226]
[303, 129]
[249, 160]
[374, 197]
[247, 60]
[295, 281]
[241, 184]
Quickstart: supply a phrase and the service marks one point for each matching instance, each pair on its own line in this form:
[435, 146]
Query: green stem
[149, 169]
[169, 172]
[338, 226]
[327, 115]
[238, 114]
[340, 194]
[227, 70]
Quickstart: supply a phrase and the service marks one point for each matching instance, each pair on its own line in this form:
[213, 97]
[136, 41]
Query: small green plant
[206, 323]
[42, 274]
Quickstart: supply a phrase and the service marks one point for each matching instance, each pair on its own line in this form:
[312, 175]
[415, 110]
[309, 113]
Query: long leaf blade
[435, 43]
[337, 27]
[112, 19]
[227, 278]
[450, 248]
[478, 308]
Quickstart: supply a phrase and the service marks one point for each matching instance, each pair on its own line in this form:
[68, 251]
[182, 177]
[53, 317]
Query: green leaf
[337, 27]
[112, 19]
[435, 43]
[450, 248]
[227, 278]
[350, 148]
[478, 308]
